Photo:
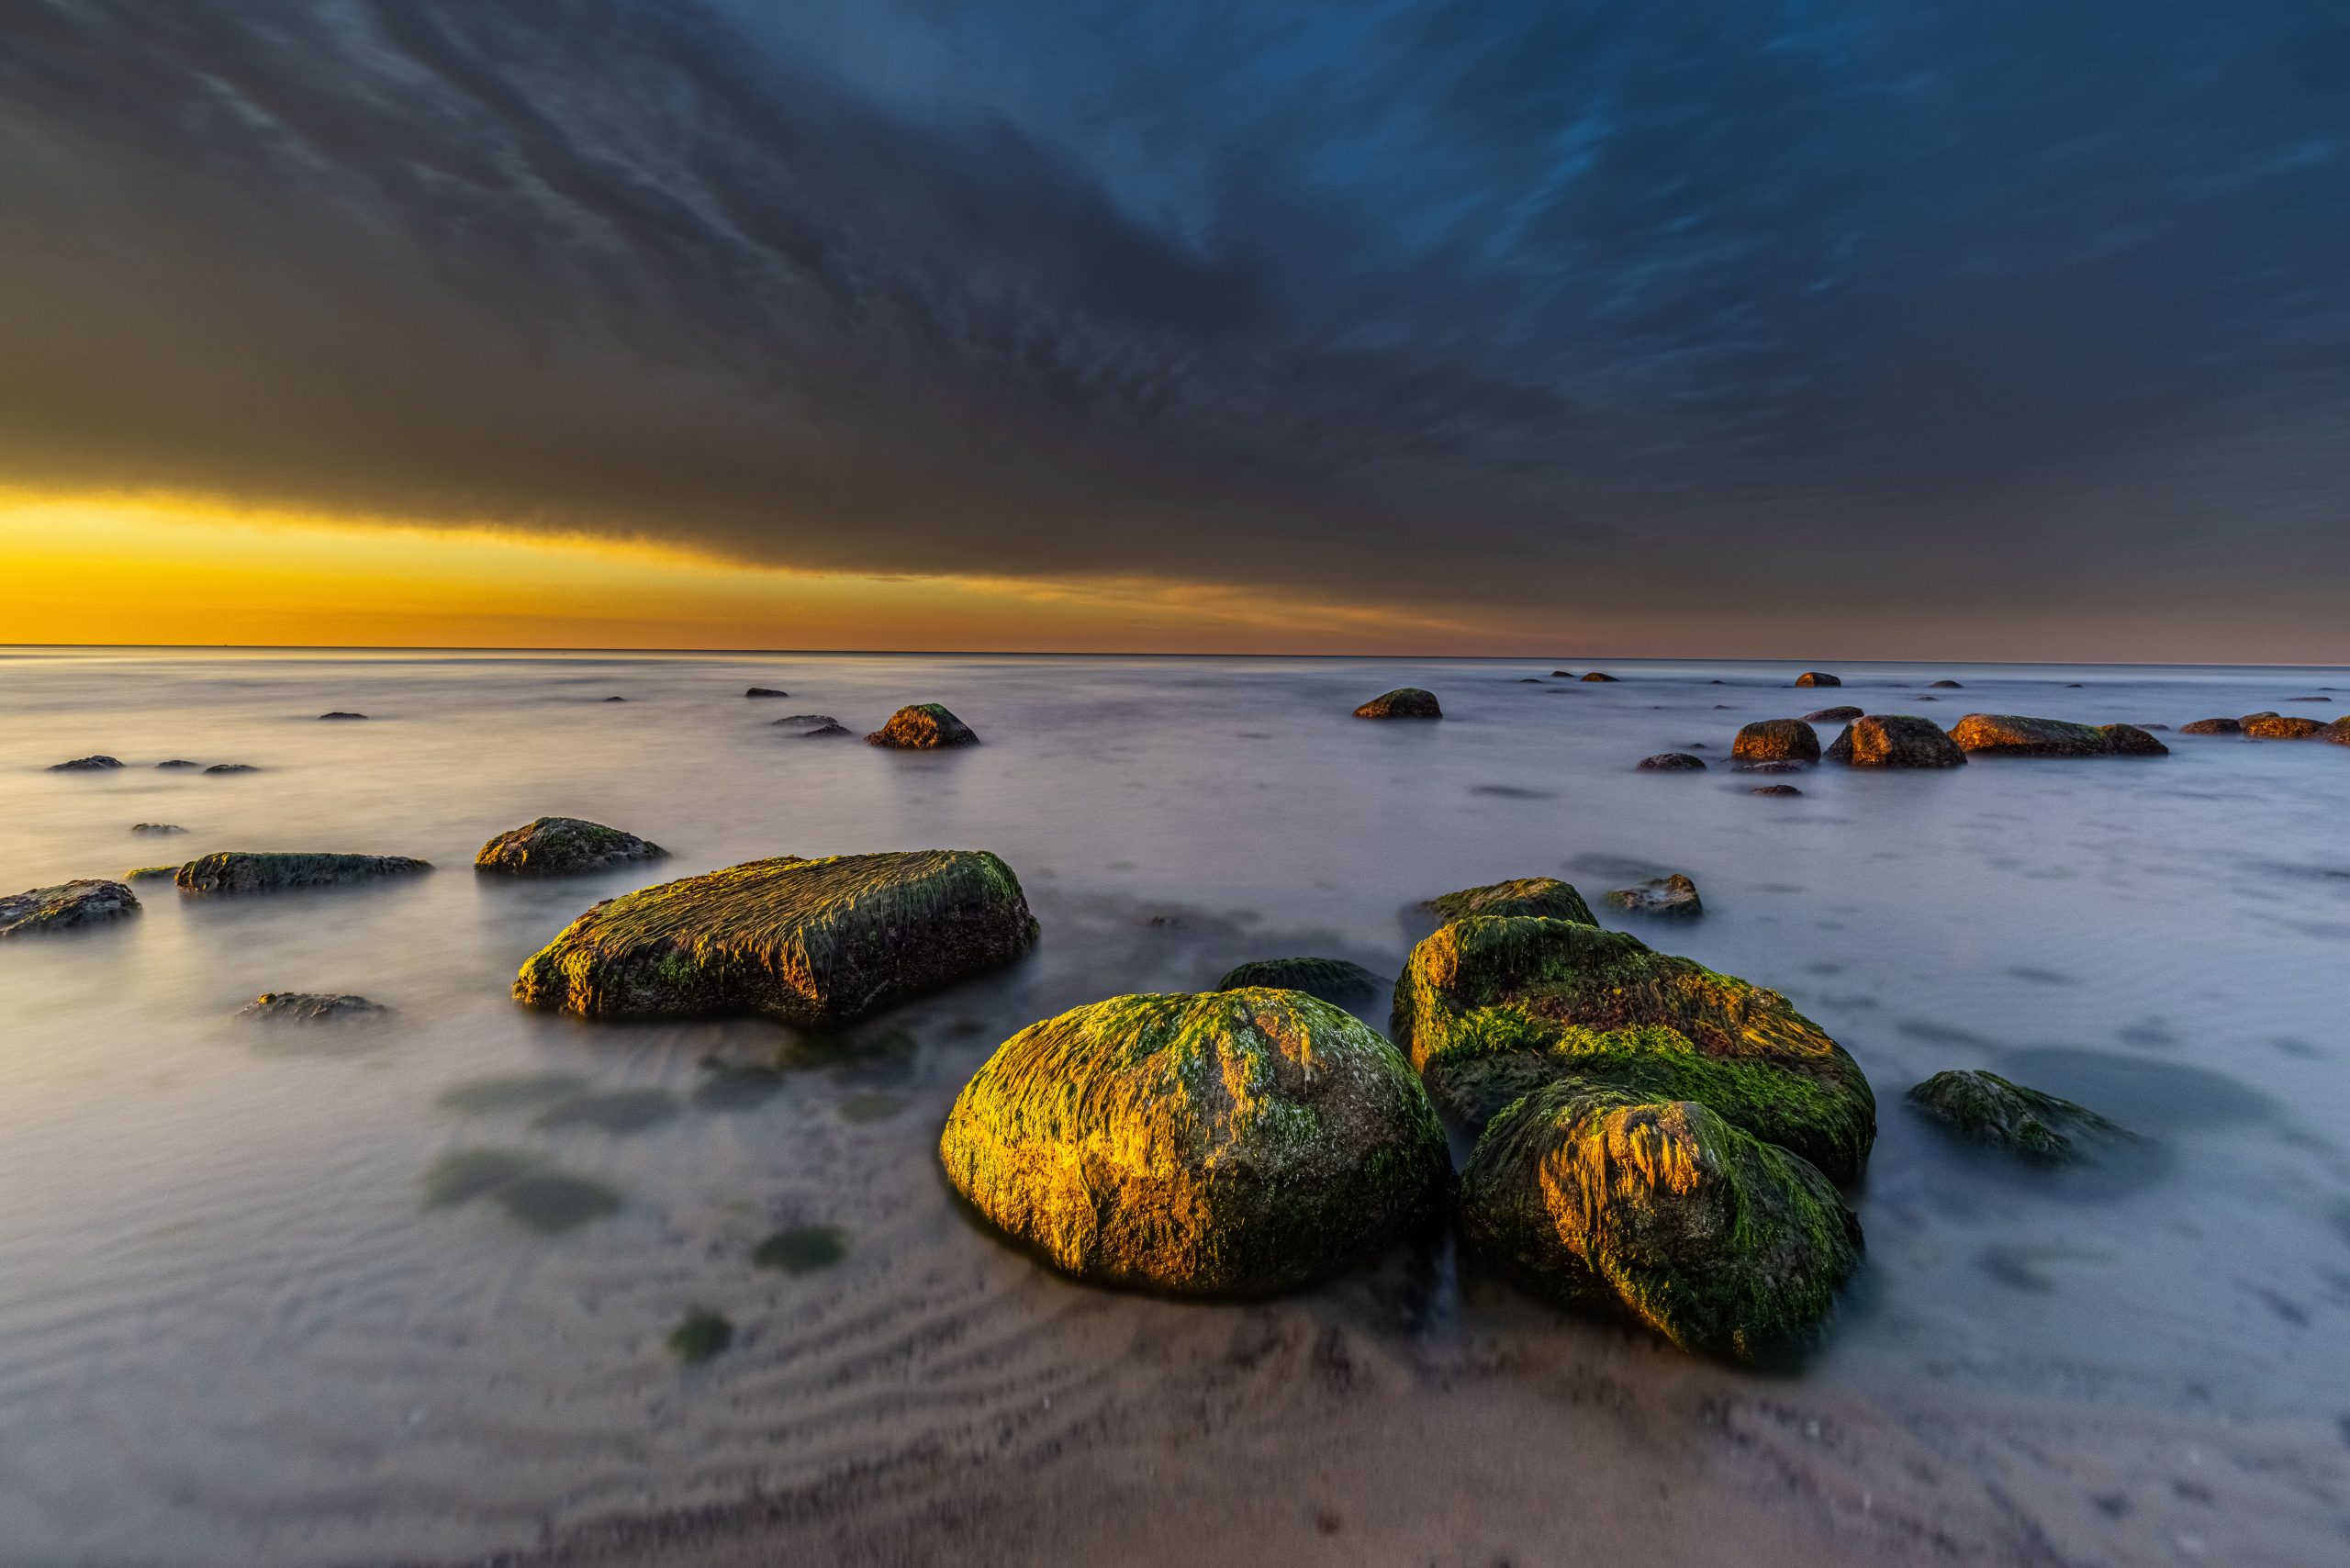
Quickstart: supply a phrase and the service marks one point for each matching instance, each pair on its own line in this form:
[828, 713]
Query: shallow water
[401, 1287]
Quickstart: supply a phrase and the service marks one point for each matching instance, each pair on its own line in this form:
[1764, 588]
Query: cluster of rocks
[2268, 725]
[98, 764]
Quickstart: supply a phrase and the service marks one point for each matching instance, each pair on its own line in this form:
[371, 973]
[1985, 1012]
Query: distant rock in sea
[1817, 677]
[1334, 980]
[924, 726]
[66, 906]
[1545, 898]
[1674, 897]
[1776, 740]
[1775, 789]
[1944, 686]
[1671, 762]
[1895, 740]
[765, 691]
[1529, 680]
[264, 872]
[562, 847]
[84, 765]
[1833, 715]
[820, 730]
[1597, 676]
[1404, 702]
[157, 828]
[1983, 1107]
[178, 762]
[340, 714]
[1563, 675]
[309, 1007]
[2338, 731]
[233, 767]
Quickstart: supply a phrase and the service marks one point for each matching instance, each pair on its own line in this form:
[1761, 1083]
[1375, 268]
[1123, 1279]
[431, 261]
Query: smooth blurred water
[228, 1319]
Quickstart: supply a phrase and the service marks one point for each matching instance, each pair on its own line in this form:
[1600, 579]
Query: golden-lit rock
[2014, 734]
[562, 847]
[1817, 677]
[1404, 702]
[924, 726]
[1776, 740]
[269, 871]
[2279, 727]
[1544, 896]
[1895, 740]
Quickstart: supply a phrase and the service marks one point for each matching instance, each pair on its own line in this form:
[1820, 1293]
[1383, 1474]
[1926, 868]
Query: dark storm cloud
[1536, 304]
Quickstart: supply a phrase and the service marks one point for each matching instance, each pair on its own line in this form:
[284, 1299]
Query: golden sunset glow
[170, 571]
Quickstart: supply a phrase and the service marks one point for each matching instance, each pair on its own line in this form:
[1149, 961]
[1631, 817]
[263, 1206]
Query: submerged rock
[1817, 677]
[1334, 980]
[1944, 686]
[1983, 1107]
[1775, 789]
[87, 901]
[2013, 734]
[178, 762]
[807, 719]
[1235, 1142]
[1895, 740]
[1671, 762]
[157, 828]
[1490, 1008]
[93, 764]
[1776, 740]
[562, 847]
[1769, 766]
[1663, 1211]
[2213, 727]
[808, 942]
[924, 726]
[1404, 702]
[1546, 897]
[702, 1336]
[2278, 727]
[339, 714]
[765, 691]
[1597, 676]
[233, 767]
[252, 871]
[2130, 740]
[1675, 895]
[1563, 675]
[822, 730]
[151, 873]
[1844, 714]
[309, 1007]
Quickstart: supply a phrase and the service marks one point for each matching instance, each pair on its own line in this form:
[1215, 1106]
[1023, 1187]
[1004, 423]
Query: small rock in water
[1770, 766]
[252, 871]
[64, 907]
[2277, 727]
[1334, 980]
[2131, 739]
[1676, 896]
[178, 762]
[615, 699]
[1540, 898]
[1775, 789]
[562, 847]
[1404, 702]
[820, 730]
[1536, 680]
[802, 1250]
[805, 719]
[765, 692]
[1671, 762]
[1895, 740]
[2308, 698]
[702, 1336]
[339, 714]
[1817, 677]
[1843, 715]
[1597, 676]
[2213, 727]
[93, 764]
[1986, 1108]
[924, 726]
[1563, 675]
[1776, 740]
[1945, 686]
[151, 873]
[309, 1007]
[157, 828]
[233, 767]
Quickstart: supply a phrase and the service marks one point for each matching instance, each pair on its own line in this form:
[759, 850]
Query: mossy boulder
[562, 847]
[1662, 1211]
[151, 873]
[2014, 734]
[310, 1007]
[2213, 727]
[2129, 740]
[1332, 980]
[1817, 677]
[1671, 762]
[924, 726]
[259, 871]
[67, 906]
[1895, 740]
[2280, 727]
[807, 942]
[1674, 898]
[1838, 715]
[1490, 1008]
[1404, 702]
[1546, 897]
[1231, 1144]
[1983, 1107]
[1776, 740]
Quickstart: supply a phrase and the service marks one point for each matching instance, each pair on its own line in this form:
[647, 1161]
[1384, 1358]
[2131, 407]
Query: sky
[1789, 330]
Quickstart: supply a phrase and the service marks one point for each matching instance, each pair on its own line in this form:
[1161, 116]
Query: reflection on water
[288, 1299]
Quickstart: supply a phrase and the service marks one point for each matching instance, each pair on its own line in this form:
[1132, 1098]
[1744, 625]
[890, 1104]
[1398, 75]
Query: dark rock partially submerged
[157, 828]
[1231, 1144]
[1674, 896]
[822, 730]
[1944, 686]
[1817, 677]
[1983, 1107]
[562, 847]
[233, 767]
[87, 901]
[806, 719]
[1840, 715]
[807, 942]
[1334, 980]
[93, 764]
[1775, 789]
[1663, 1211]
[700, 1335]
[1599, 677]
[765, 691]
[2130, 740]
[1489, 1009]
[1895, 740]
[310, 1007]
[924, 726]
[339, 714]
[177, 763]
[2213, 727]
[2014, 734]
[1404, 702]
[254, 871]
[1544, 897]
[1671, 762]
[1776, 740]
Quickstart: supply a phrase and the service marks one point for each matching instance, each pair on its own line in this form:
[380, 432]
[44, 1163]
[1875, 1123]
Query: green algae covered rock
[1895, 740]
[1235, 1143]
[1663, 1211]
[255, 871]
[1489, 1009]
[562, 847]
[67, 906]
[1404, 702]
[1983, 1107]
[1544, 896]
[807, 942]
[1333, 981]
[924, 726]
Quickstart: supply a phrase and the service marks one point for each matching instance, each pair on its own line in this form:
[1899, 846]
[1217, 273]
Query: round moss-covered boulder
[2280, 727]
[1235, 1142]
[1671, 898]
[1546, 897]
[2213, 727]
[1817, 677]
[2129, 740]
[1895, 740]
[1490, 1008]
[1662, 1211]
[1983, 1107]
[1404, 702]
[807, 942]
[269, 871]
[1776, 740]
[2014, 734]
[1332, 980]
[1671, 762]
[67, 906]
[1838, 715]
[924, 726]
[562, 847]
